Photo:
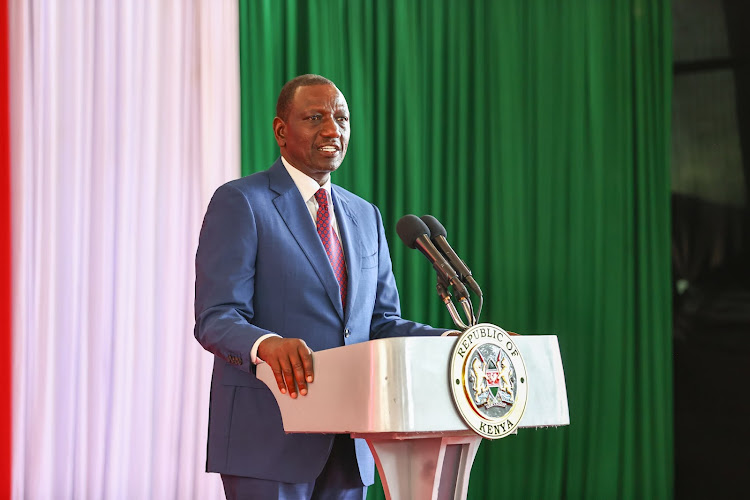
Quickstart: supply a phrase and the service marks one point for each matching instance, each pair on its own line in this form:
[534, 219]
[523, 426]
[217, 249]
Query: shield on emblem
[493, 377]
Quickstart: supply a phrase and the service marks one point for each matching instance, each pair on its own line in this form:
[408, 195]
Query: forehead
[319, 97]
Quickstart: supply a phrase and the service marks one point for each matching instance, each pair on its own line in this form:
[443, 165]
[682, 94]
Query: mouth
[329, 149]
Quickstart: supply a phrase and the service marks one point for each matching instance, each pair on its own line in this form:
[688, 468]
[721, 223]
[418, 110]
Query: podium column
[424, 466]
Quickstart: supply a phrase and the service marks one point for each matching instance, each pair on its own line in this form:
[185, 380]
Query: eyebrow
[317, 110]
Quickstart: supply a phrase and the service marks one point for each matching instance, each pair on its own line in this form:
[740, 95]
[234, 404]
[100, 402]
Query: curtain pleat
[6, 279]
[125, 120]
[538, 133]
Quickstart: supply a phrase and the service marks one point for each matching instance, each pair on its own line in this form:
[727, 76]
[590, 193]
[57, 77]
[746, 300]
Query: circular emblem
[488, 380]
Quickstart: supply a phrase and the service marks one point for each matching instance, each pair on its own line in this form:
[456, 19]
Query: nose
[330, 127]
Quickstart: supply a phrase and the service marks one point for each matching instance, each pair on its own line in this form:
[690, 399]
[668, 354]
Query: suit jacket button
[347, 333]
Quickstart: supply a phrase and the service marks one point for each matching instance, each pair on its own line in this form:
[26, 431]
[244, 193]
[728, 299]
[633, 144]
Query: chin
[329, 167]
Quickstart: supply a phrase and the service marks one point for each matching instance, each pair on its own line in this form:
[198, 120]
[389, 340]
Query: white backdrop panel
[125, 118]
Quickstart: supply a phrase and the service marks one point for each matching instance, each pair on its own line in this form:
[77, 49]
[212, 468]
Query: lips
[329, 148]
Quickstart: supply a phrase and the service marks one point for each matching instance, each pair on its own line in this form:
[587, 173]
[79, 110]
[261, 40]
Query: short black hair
[287, 91]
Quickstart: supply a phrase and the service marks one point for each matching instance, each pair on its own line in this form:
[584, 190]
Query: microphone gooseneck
[439, 237]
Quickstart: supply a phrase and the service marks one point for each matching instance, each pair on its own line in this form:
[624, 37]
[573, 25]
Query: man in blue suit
[289, 264]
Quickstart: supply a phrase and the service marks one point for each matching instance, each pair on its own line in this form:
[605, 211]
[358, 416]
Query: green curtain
[538, 133]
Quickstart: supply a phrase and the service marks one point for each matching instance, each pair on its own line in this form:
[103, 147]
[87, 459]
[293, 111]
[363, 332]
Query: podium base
[424, 466]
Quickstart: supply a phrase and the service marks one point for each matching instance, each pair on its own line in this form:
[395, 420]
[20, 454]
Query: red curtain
[6, 297]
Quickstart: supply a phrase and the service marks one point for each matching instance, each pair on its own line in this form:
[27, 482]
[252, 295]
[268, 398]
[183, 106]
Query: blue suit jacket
[261, 268]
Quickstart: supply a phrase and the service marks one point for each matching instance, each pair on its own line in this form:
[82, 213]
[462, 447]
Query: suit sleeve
[386, 318]
[225, 278]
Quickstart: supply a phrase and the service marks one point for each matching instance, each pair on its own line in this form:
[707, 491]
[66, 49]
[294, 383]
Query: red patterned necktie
[331, 242]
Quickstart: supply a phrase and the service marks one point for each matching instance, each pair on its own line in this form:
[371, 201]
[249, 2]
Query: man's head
[312, 125]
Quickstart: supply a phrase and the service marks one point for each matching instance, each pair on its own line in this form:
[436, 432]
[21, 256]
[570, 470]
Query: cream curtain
[124, 120]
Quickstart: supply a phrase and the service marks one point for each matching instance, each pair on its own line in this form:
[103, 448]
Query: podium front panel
[400, 385]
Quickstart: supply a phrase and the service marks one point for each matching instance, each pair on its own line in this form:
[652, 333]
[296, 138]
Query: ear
[279, 131]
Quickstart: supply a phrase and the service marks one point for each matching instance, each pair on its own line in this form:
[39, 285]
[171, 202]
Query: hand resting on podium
[290, 360]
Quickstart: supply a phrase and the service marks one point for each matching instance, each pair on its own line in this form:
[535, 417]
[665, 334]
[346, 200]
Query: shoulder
[258, 180]
[239, 197]
[359, 209]
[352, 201]
[250, 189]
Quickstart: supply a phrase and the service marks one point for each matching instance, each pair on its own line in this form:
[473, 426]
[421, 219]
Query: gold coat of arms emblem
[488, 380]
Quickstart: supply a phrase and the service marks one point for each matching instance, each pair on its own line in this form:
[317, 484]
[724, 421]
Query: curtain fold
[125, 119]
[538, 134]
[6, 280]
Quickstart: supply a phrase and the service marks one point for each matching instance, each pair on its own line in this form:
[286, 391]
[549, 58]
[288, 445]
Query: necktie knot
[321, 197]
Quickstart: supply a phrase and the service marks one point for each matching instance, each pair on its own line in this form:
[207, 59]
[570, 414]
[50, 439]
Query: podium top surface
[401, 385]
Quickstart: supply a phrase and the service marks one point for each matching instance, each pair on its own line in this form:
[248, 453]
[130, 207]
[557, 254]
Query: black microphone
[439, 238]
[415, 234]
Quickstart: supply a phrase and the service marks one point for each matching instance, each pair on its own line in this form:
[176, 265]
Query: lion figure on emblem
[480, 385]
[505, 384]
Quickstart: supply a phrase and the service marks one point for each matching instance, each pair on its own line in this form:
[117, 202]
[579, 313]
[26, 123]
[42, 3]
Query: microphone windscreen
[409, 228]
[435, 227]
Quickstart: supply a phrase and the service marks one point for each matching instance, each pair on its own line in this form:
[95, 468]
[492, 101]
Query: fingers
[301, 364]
[279, 379]
[291, 363]
[282, 371]
[306, 371]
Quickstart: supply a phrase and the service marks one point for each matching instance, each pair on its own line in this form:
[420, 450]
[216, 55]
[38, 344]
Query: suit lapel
[348, 227]
[293, 211]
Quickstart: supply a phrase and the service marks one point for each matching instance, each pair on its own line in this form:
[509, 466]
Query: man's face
[316, 133]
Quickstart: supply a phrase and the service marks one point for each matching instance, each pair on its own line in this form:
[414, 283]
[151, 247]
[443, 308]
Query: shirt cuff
[254, 359]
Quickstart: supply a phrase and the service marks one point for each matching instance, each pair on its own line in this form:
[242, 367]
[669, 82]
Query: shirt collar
[306, 185]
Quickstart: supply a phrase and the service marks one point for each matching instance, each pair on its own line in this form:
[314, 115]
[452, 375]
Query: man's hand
[290, 360]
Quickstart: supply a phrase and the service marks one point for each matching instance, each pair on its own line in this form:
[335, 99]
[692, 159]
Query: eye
[342, 119]
[314, 118]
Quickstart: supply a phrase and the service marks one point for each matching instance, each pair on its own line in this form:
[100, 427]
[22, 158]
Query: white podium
[395, 394]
